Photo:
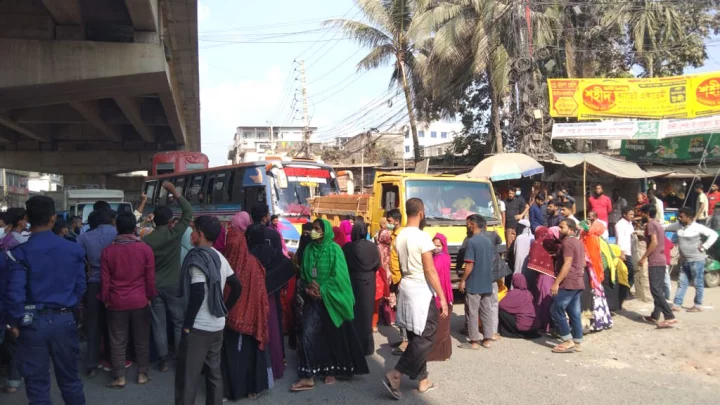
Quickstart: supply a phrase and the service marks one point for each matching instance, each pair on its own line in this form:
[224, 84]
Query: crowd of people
[218, 300]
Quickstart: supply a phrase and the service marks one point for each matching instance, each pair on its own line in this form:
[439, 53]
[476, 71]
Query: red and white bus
[178, 162]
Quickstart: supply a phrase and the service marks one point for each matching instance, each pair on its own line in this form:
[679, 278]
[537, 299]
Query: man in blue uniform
[46, 282]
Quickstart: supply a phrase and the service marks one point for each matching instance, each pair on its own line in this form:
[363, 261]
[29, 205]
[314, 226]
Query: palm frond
[379, 56]
[363, 34]
[376, 12]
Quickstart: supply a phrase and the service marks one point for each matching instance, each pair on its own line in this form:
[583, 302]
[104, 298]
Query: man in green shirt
[165, 243]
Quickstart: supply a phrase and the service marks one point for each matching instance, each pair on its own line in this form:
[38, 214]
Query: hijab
[591, 240]
[347, 227]
[519, 302]
[250, 315]
[540, 259]
[220, 242]
[361, 255]
[339, 236]
[522, 245]
[304, 241]
[241, 221]
[442, 265]
[324, 263]
[278, 268]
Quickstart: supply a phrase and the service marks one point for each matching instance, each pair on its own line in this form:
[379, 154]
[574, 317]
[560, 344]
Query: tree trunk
[495, 113]
[411, 111]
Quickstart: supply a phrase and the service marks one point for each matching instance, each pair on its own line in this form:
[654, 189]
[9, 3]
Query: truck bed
[334, 208]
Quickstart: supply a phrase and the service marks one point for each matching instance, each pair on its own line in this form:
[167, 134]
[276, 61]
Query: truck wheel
[712, 279]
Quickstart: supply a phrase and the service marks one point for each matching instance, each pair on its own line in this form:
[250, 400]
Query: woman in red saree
[541, 259]
[384, 303]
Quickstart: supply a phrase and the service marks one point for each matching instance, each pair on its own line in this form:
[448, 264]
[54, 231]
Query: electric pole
[306, 130]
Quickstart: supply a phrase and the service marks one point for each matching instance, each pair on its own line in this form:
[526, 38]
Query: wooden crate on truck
[335, 208]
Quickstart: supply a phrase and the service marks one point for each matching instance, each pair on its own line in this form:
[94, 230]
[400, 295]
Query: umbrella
[507, 166]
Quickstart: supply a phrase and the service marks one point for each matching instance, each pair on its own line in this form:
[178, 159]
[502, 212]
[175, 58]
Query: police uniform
[45, 282]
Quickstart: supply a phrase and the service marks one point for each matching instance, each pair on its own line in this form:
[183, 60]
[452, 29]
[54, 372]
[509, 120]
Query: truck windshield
[304, 183]
[453, 200]
[117, 207]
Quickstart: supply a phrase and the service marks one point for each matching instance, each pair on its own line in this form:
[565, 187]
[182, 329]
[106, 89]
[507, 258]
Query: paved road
[630, 364]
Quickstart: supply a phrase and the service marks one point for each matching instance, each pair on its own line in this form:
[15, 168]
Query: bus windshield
[453, 201]
[304, 182]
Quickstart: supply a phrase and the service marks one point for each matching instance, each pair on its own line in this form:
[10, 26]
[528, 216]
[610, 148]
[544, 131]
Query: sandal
[486, 343]
[395, 392]
[330, 380]
[252, 396]
[114, 385]
[650, 320]
[564, 347]
[695, 309]
[496, 337]
[667, 324]
[469, 346]
[143, 379]
[298, 387]
[432, 387]
[676, 308]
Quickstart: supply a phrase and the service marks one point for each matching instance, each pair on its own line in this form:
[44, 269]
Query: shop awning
[685, 172]
[615, 167]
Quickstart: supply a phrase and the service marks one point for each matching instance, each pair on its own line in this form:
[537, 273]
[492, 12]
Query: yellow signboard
[666, 97]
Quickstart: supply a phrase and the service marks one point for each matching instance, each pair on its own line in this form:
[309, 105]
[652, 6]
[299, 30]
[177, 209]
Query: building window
[407, 149]
[262, 135]
[433, 134]
[247, 134]
[421, 134]
[407, 134]
[443, 134]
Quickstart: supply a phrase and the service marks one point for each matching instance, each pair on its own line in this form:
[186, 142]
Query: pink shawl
[346, 227]
[442, 266]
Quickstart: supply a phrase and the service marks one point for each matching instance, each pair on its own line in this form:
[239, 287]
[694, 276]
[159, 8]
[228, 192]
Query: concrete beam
[64, 12]
[144, 14]
[55, 114]
[34, 73]
[4, 120]
[131, 109]
[27, 26]
[77, 162]
[171, 104]
[91, 111]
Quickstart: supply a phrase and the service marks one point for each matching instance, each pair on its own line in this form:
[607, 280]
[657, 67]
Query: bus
[178, 162]
[223, 191]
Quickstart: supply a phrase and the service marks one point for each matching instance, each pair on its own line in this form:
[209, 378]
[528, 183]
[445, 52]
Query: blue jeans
[691, 269]
[51, 336]
[568, 301]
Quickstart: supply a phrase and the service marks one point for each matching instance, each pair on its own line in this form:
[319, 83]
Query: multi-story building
[39, 182]
[430, 134]
[256, 142]
[13, 188]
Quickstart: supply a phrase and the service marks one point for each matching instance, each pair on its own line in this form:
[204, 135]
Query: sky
[247, 77]
[245, 84]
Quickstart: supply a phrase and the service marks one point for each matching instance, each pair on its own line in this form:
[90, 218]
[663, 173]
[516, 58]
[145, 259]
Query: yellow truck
[449, 200]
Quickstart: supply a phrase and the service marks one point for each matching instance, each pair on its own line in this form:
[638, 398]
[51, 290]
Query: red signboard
[307, 172]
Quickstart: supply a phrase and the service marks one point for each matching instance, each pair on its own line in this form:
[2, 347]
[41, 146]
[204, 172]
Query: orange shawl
[591, 240]
[250, 315]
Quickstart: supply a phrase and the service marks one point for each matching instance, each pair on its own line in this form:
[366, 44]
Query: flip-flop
[650, 320]
[393, 391]
[570, 349]
[330, 383]
[114, 386]
[468, 346]
[432, 387]
[695, 309]
[667, 324]
[300, 388]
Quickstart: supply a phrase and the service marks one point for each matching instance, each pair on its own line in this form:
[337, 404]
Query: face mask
[390, 227]
[315, 235]
[437, 250]
[517, 193]
[2, 232]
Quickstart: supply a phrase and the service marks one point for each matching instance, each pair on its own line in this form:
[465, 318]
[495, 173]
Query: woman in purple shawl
[442, 347]
[517, 311]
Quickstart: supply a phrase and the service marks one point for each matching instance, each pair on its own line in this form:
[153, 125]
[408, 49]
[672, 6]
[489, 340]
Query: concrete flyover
[97, 86]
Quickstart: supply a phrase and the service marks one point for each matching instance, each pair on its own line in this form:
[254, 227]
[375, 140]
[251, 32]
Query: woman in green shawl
[327, 345]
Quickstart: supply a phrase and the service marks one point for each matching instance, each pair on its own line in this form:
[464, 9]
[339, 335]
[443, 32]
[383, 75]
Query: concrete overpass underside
[97, 86]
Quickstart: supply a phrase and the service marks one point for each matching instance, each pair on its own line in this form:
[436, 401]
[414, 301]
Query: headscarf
[347, 227]
[519, 302]
[304, 241]
[540, 259]
[241, 221]
[522, 245]
[220, 242]
[278, 268]
[442, 266]
[361, 255]
[591, 240]
[278, 228]
[250, 315]
[340, 238]
[640, 204]
[326, 260]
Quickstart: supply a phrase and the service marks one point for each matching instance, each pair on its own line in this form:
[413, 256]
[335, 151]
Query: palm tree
[386, 34]
[488, 34]
[650, 25]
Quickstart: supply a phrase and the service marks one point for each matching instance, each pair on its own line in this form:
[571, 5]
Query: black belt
[47, 311]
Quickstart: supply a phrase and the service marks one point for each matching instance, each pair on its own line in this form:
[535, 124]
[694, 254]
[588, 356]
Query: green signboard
[681, 149]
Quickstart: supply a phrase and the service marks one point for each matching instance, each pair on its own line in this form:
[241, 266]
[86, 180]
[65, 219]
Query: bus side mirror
[280, 177]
